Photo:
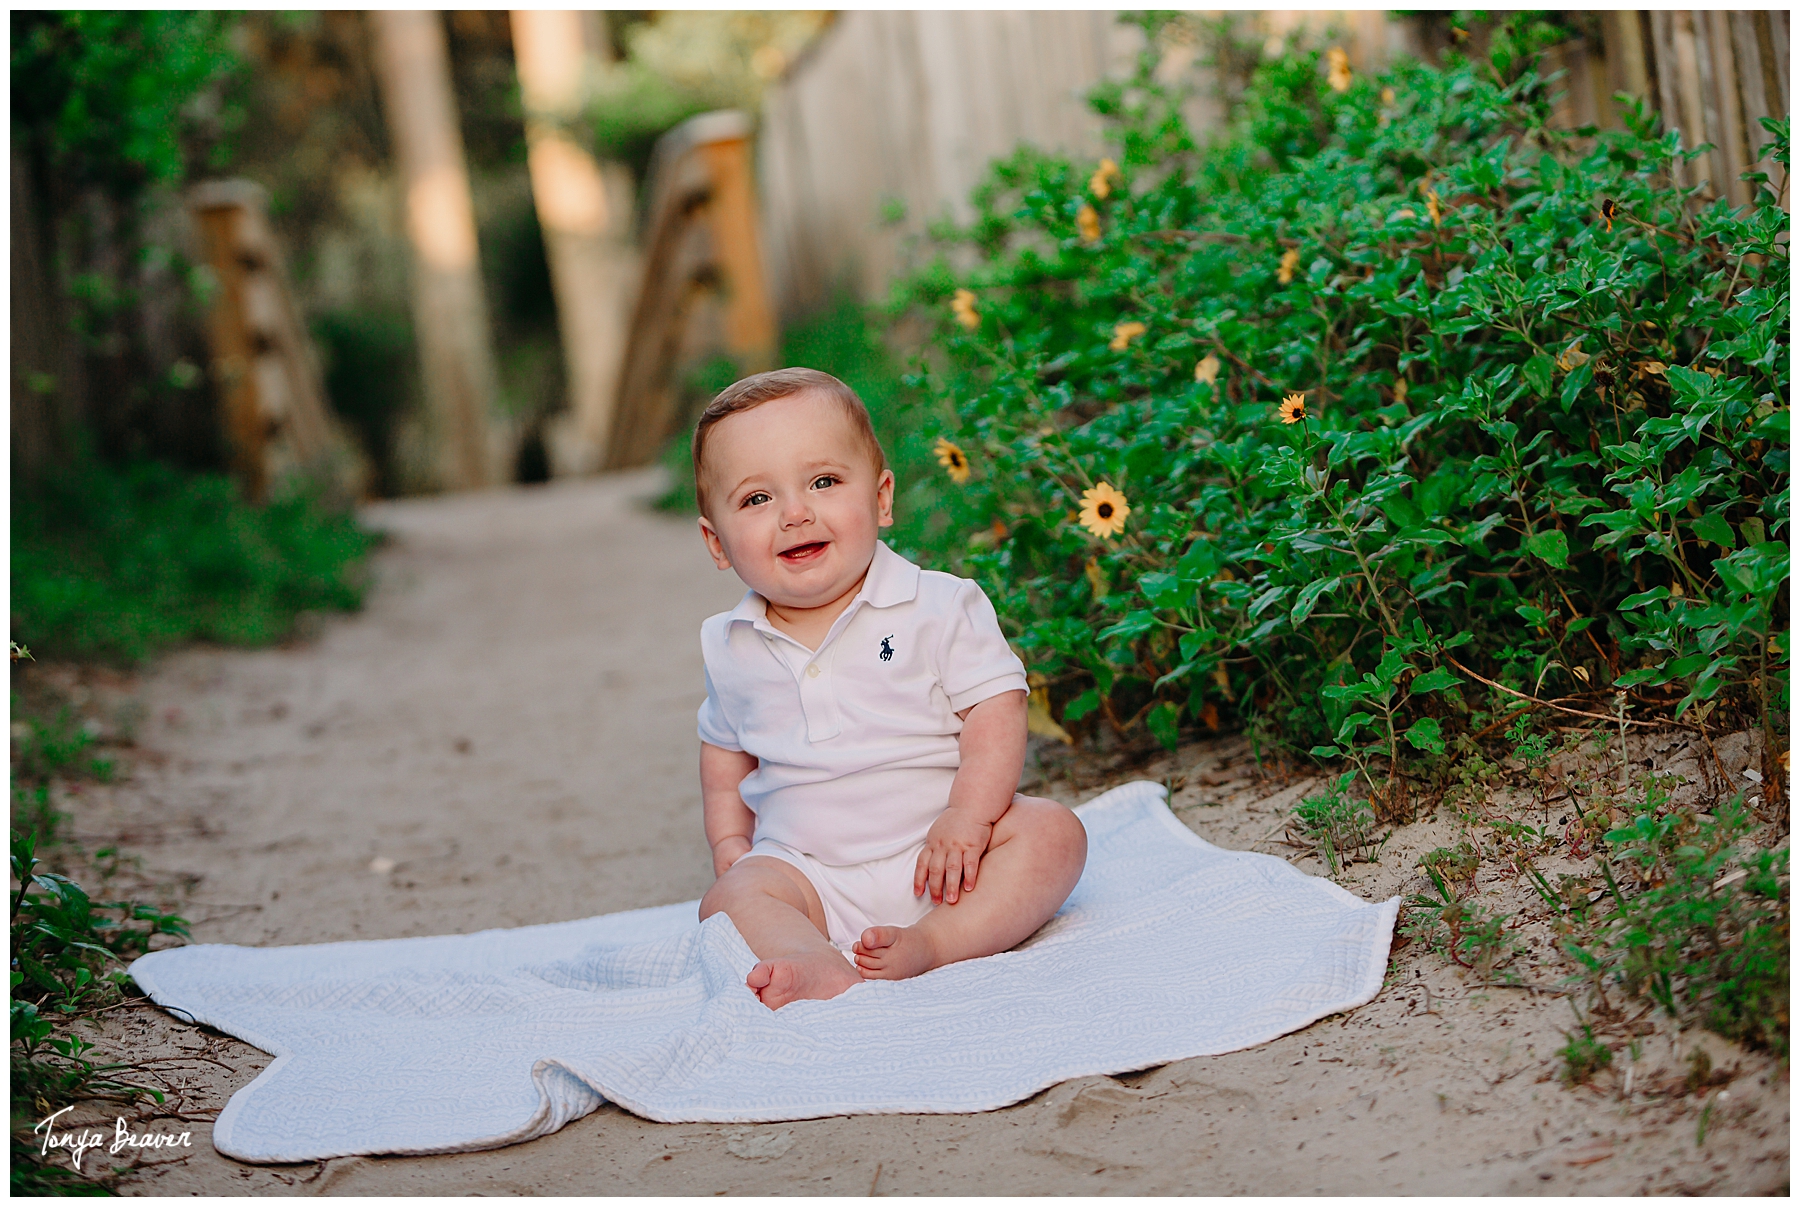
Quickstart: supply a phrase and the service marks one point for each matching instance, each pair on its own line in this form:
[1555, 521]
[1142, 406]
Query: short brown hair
[759, 388]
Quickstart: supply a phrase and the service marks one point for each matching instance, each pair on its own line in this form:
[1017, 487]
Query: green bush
[1539, 428]
[121, 564]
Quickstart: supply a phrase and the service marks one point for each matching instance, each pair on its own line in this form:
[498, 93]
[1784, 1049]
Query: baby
[864, 727]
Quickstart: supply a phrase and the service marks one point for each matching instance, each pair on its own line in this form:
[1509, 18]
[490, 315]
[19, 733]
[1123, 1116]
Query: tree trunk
[46, 363]
[449, 307]
[584, 208]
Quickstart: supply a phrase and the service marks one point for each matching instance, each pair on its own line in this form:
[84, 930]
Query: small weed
[1699, 1070]
[1583, 1056]
[1707, 940]
[1343, 827]
[1458, 863]
[59, 745]
[1459, 927]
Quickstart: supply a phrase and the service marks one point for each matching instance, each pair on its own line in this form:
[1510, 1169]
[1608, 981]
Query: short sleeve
[715, 730]
[974, 661]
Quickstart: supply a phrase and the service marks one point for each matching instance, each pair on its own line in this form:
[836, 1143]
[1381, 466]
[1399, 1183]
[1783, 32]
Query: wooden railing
[703, 289]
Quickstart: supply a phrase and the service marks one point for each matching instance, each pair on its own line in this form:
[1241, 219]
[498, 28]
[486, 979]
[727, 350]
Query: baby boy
[864, 726]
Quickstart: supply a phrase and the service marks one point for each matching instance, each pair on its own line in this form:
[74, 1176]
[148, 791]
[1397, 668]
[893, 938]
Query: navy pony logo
[887, 650]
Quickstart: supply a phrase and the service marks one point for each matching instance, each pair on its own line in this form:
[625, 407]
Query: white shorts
[857, 896]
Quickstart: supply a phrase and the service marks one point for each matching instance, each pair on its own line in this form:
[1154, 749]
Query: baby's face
[794, 503]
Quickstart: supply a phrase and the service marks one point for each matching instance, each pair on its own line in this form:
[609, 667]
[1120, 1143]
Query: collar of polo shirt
[891, 580]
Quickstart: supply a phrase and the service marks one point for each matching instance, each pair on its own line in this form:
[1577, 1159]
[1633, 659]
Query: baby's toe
[877, 937]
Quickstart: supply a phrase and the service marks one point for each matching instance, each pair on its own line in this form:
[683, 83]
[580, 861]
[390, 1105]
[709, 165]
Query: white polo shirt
[856, 742]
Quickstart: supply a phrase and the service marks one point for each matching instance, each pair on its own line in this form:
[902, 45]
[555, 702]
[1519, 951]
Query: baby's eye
[824, 480]
[757, 498]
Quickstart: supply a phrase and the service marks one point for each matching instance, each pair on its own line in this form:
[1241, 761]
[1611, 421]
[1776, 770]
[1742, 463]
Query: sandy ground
[505, 736]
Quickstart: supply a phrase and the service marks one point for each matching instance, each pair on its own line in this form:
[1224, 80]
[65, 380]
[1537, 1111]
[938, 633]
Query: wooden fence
[892, 117]
[902, 112]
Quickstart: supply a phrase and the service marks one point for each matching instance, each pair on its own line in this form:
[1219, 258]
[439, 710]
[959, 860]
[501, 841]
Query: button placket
[818, 698]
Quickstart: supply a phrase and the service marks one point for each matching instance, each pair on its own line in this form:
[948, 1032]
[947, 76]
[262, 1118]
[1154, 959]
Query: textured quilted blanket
[1168, 948]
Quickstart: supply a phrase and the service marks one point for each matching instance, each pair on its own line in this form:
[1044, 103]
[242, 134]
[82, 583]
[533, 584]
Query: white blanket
[1168, 948]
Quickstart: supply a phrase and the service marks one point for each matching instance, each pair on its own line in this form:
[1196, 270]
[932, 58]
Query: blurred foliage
[677, 63]
[119, 564]
[371, 377]
[114, 94]
[1540, 426]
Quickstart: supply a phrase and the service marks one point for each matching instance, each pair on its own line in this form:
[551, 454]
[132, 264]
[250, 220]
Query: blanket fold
[1168, 948]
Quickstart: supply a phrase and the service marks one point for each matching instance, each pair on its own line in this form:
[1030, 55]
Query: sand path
[505, 736]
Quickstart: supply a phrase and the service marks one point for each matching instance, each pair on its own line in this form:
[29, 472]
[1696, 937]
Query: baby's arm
[729, 821]
[992, 748]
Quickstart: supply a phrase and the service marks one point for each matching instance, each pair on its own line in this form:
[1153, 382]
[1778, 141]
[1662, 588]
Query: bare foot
[793, 978]
[893, 953]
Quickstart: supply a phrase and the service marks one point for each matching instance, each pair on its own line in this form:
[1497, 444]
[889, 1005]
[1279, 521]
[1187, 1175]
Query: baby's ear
[884, 499]
[714, 545]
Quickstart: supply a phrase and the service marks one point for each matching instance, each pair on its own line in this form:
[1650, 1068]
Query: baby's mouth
[803, 553]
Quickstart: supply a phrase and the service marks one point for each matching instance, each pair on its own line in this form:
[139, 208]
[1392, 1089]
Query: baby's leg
[778, 912]
[1032, 863]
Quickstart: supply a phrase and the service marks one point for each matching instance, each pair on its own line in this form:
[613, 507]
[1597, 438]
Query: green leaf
[1575, 383]
[1434, 680]
[1642, 598]
[1711, 526]
[1164, 722]
[1425, 735]
[1538, 373]
[1200, 562]
[1324, 752]
[1551, 546]
[1309, 598]
[1081, 705]
[1166, 590]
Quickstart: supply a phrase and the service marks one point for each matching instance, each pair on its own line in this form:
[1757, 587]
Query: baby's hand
[952, 855]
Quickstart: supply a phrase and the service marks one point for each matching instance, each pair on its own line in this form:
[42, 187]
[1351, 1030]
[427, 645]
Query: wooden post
[586, 226]
[750, 333]
[700, 242]
[412, 64]
[268, 380]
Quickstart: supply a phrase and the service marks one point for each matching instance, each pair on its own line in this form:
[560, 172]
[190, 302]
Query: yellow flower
[1293, 408]
[1088, 221]
[953, 459]
[1339, 74]
[963, 306]
[1387, 96]
[1103, 511]
[1400, 389]
[1432, 207]
[1290, 260]
[1101, 182]
[1124, 333]
[1207, 370]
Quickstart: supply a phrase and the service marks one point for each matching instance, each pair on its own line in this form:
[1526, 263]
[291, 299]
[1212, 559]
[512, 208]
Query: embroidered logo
[887, 649]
